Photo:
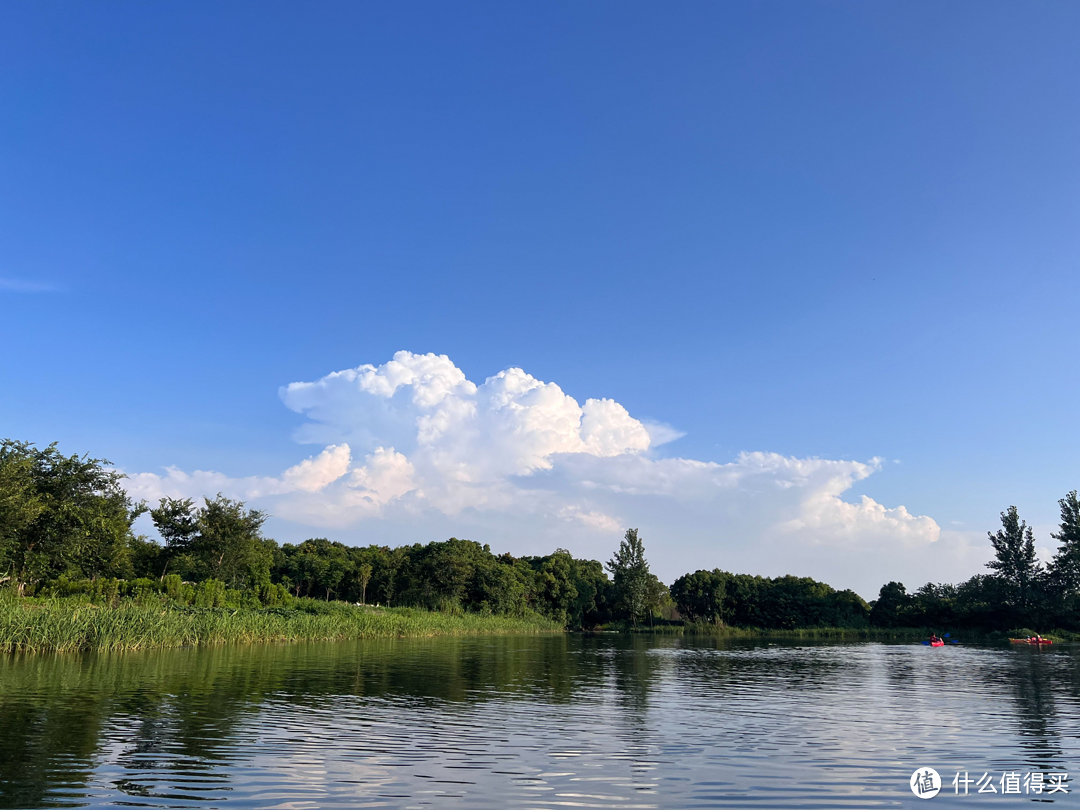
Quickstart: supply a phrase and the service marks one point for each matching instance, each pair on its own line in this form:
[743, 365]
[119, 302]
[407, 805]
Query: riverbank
[69, 625]
[838, 633]
[727, 631]
[77, 624]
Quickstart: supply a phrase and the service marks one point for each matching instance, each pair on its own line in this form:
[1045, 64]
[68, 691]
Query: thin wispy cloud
[19, 285]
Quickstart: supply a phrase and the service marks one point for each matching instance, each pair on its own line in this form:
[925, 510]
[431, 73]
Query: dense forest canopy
[66, 526]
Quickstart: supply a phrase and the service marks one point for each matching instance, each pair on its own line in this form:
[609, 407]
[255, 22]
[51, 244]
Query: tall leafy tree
[363, 576]
[593, 603]
[178, 524]
[20, 506]
[443, 573]
[657, 597]
[890, 609]
[61, 515]
[630, 573]
[230, 543]
[700, 596]
[220, 540]
[395, 565]
[555, 583]
[1015, 562]
[1065, 567]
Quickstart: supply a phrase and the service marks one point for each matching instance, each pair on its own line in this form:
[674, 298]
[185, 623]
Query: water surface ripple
[571, 721]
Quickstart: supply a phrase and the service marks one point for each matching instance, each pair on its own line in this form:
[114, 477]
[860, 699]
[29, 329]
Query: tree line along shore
[74, 575]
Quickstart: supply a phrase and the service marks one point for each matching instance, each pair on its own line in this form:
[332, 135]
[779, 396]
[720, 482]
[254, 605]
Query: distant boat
[1031, 641]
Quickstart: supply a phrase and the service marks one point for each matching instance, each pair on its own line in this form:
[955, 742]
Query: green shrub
[210, 593]
[174, 587]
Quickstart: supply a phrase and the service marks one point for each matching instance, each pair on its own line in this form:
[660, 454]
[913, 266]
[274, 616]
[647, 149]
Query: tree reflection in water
[525, 721]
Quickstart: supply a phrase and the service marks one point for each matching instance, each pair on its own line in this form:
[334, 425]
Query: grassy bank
[62, 625]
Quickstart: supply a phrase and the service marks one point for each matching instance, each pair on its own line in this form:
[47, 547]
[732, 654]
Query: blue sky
[840, 231]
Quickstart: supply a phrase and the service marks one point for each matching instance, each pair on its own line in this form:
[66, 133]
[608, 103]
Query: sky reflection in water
[531, 722]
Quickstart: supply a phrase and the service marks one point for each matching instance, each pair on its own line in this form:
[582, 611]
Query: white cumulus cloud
[310, 475]
[413, 443]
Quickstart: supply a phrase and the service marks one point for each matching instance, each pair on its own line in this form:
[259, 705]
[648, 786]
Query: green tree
[61, 515]
[146, 558]
[177, 522]
[630, 572]
[700, 596]
[318, 567]
[500, 585]
[657, 597]
[395, 561]
[1065, 567]
[555, 585]
[20, 506]
[592, 607]
[891, 607]
[1015, 563]
[443, 573]
[338, 571]
[229, 542]
[363, 574]
[221, 540]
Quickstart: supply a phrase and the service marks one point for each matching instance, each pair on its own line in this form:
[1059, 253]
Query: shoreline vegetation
[74, 624]
[869, 633]
[74, 575]
[77, 625]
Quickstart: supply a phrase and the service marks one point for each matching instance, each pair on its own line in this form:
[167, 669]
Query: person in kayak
[934, 639]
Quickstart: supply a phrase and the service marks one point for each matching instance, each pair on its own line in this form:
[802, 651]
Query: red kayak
[1031, 641]
[938, 643]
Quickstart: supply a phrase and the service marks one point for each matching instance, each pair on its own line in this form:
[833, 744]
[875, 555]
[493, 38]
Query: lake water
[598, 721]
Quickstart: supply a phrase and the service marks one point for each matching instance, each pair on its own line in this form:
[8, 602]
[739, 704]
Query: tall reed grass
[63, 625]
